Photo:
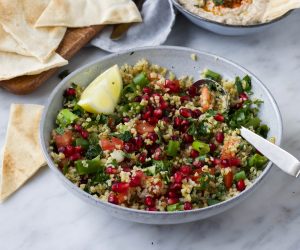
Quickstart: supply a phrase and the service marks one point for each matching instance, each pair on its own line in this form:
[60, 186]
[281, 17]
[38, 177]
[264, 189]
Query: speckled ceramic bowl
[222, 28]
[179, 60]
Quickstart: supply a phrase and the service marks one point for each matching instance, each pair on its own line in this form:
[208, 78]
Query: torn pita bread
[9, 44]
[13, 65]
[82, 13]
[18, 18]
[22, 155]
[277, 8]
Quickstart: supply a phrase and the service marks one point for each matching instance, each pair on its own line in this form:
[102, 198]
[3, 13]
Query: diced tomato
[144, 127]
[64, 139]
[228, 180]
[111, 143]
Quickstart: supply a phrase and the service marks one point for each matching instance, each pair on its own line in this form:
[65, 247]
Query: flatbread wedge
[22, 154]
[82, 13]
[18, 17]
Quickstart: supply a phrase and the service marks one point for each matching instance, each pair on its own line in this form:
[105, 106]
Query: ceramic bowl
[225, 29]
[179, 60]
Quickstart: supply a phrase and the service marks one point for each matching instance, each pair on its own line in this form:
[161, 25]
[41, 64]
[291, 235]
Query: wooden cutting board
[74, 40]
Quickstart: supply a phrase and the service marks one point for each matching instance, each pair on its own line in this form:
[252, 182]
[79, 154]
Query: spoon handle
[284, 160]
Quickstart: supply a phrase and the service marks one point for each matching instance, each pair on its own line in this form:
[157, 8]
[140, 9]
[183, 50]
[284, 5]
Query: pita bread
[277, 8]
[18, 18]
[81, 13]
[22, 155]
[13, 65]
[9, 44]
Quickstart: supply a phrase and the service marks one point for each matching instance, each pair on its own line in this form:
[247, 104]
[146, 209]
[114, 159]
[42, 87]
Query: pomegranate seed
[138, 141]
[129, 147]
[184, 98]
[158, 113]
[174, 137]
[137, 98]
[70, 92]
[220, 137]
[84, 134]
[192, 91]
[126, 168]
[78, 149]
[146, 97]
[142, 157]
[147, 90]
[243, 96]
[126, 119]
[172, 201]
[165, 119]
[198, 164]
[173, 86]
[111, 170]
[187, 138]
[149, 201]
[185, 112]
[69, 150]
[177, 122]
[234, 161]
[175, 186]
[172, 194]
[187, 206]
[146, 115]
[78, 127]
[135, 181]
[194, 153]
[120, 187]
[157, 96]
[216, 161]
[196, 113]
[75, 157]
[151, 209]
[112, 198]
[61, 149]
[157, 154]
[212, 147]
[152, 120]
[163, 105]
[152, 136]
[185, 169]
[184, 128]
[219, 118]
[224, 163]
[185, 123]
[178, 177]
[240, 185]
[238, 105]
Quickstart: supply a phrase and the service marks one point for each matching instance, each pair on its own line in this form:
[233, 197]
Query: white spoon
[282, 159]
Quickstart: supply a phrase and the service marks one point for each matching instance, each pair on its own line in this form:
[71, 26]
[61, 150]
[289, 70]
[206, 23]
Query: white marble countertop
[44, 215]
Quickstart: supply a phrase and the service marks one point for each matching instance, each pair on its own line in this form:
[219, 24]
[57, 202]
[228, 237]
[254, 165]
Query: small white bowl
[178, 60]
[223, 28]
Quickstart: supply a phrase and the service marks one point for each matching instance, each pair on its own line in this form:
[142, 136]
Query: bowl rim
[97, 202]
[183, 10]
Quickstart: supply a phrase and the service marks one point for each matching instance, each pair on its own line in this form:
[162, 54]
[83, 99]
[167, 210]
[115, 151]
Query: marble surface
[43, 215]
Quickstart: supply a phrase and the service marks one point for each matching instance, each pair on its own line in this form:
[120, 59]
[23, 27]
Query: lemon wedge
[103, 94]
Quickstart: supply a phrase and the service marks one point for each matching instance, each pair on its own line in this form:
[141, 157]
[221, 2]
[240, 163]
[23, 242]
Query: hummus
[234, 12]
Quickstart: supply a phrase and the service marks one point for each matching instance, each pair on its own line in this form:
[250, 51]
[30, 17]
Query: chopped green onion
[65, 117]
[212, 75]
[239, 86]
[201, 147]
[173, 207]
[141, 79]
[211, 202]
[257, 161]
[173, 148]
[89, 166]
[82, 142]
[240, 176]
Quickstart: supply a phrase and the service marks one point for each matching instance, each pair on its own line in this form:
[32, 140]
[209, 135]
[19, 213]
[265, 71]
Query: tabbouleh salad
[169, 145]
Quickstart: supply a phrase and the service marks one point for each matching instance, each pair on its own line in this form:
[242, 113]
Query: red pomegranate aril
[147, 90]
[224, 163]
[120, 187]
[216, 161]
[198, 164]
[196, 113]
[146, 97]
[146, 115]
[165, 119]
[192, 91]
[152, 120]
[212, 147]
[149, 201]
[240, 185]
[138, 141]
[178, 177]
[185, 169]
[78, 127]
[137, 98]
[69, 150]
[187, 206]
[186, 113]
[184, 123]
[194, 153]
[135, 181]
[219, 118]
[61, 149]
[158, 113]
[112, 198]
[157, 154]
[234, 161]
[238, 105]
[70, 92]
[220, 137]
[75, 157]
[172, 194]
[111, 170]
[184, 98]
[175, 186]
[172, 201]
[243, 96]
[184, 128]
[129, 147]
[163, 105]
[126, 169]
[78, 149]
[152, 137]
[151, 209]
[173, 86]
[142, 157]
[126, 119]
[187, 138]
[177, 122]
[84, 134]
